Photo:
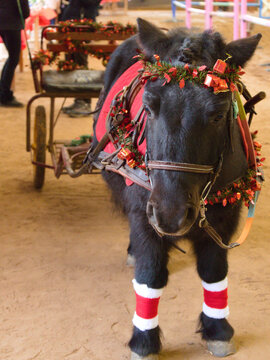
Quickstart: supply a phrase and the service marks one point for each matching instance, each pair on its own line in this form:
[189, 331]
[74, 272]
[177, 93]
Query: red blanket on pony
[124, 80]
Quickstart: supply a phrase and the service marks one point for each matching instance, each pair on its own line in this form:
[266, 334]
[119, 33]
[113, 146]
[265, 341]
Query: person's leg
[12, 41]
[80, 107]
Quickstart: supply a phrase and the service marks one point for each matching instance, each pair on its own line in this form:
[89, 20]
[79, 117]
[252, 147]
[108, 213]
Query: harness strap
[249, 220]
[216, 237]
[243, 124]
[118, 166]
[92, 154]
[248, 145]
[175, 166]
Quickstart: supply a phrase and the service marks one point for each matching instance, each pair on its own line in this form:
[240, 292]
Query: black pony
[187, 124]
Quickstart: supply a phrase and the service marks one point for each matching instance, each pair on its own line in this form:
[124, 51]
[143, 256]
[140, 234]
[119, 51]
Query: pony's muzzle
[165, 223]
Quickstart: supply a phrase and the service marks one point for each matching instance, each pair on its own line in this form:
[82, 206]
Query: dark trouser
[12, 41]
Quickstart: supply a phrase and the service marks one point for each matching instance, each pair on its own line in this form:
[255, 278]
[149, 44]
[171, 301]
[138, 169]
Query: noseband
[198, 169]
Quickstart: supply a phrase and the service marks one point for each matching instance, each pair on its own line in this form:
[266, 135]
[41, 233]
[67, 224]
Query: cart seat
[72, 81]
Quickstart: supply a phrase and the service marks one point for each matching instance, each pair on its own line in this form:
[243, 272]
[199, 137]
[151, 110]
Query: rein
[140, 174]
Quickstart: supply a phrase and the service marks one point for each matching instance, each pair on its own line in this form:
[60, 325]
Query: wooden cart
[54, 84]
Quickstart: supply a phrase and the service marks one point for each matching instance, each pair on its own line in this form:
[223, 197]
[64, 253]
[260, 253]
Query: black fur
[191, 125]
[213, 329]
[145, 342]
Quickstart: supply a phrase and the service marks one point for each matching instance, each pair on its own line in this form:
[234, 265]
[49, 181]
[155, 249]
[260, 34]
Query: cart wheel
[39, 146]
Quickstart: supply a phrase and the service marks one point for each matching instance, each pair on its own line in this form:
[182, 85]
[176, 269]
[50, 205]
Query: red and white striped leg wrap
[216, 299]
[147, 300]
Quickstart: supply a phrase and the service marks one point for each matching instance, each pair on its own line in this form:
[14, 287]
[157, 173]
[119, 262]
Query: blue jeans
[12, 41]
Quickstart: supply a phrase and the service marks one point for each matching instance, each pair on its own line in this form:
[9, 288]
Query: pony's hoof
[221, 348]
[130, 260]
[135, 356]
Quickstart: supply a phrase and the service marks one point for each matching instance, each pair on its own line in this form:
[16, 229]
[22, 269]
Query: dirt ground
[66, 292]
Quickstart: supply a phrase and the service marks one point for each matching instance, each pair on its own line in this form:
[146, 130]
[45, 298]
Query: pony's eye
[147, 109]
[219, 117]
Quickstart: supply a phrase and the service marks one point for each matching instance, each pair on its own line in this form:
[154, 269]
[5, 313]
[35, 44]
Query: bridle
[198, 169]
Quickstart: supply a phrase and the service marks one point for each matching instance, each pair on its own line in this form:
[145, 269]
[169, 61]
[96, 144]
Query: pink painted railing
[245, 18]
[209, 12]
[240, 18]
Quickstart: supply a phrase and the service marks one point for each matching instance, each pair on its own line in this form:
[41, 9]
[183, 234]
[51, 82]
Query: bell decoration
[131, 163]
[211, 80]
[220, 66]
[218, 84]
[194, 73]
[124, 154]
[222, 86]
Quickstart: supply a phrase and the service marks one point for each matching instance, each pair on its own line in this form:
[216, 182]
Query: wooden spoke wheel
[39, 146]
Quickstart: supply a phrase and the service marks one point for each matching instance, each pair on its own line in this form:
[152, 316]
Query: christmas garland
[45, 57]
[123, 135]
[221, 78]
[244, 189]
[86, 25]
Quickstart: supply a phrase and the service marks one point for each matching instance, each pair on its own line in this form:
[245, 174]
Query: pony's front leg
[212, 267]
[151, 276]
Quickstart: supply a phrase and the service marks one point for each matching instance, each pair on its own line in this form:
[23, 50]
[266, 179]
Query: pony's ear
[151, 39]
[242, 50]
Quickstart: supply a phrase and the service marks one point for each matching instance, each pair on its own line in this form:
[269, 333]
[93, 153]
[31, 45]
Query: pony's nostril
[188, 217]
[150, 212]
[182, 220]
[191, 214]
[149, 209]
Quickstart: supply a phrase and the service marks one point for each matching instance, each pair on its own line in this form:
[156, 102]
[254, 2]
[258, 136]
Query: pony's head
[189, 123]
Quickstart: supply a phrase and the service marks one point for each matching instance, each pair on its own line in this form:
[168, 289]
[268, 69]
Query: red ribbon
[216, 299]
[146, 308]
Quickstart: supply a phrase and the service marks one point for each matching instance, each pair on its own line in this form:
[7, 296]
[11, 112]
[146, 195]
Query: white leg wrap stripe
[216, 313]
[144, 291]
[218, 286]
[144, 324]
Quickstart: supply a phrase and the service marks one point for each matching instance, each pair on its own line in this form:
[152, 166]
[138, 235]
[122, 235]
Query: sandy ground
[65, 290]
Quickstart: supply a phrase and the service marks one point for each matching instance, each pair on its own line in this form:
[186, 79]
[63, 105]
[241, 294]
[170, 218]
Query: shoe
[67, 109]
[12, 103]
[81, 109]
